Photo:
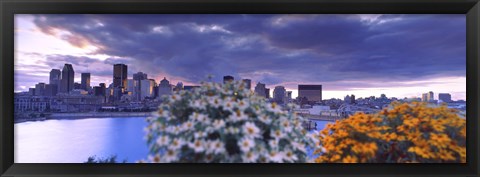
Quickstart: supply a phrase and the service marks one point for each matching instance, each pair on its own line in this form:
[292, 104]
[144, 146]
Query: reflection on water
[73, 141]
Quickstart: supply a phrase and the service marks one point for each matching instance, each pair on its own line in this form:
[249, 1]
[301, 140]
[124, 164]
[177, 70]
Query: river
[73, 141]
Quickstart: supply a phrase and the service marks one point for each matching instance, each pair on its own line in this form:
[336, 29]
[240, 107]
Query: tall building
[40, 89]
[131, 85]
[279, 94]
[445, 97]
[85, 81]
[347, 99]
[267, 93]
[227, 78]
[164, 88]
[178, 87]
[120, 75]
[248, 83]
[289, 96]
[55, 77]
[425, 97]
[430, 96]
[352, 99]
[260, 89]
[147, 88]
[31, 91]
[311, 92]
[66, 83]
[138, 77]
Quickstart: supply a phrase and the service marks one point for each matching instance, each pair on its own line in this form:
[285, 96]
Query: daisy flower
[242, 104]
[163, 141]
[277, 134]
[177, 143]
[218, 124]
[238, 116]
[197, 146]
[246, 144]
[275, 156]
[251, 130]
[250, 157]
[170, 156]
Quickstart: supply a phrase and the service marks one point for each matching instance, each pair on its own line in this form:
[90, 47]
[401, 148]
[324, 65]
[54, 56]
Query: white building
[147, 88]
[164, 88]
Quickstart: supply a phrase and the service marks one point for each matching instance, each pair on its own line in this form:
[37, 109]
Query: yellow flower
[350, 159]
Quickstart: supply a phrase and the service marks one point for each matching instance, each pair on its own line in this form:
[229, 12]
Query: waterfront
[73, 141]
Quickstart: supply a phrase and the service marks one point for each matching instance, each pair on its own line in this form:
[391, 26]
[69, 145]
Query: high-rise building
[120, 72]
[55, 77]
[147, 88]
[260, 89]
[66, 83]
[313, 93]
[228, 78]
[347, 99]
[248, 83]
[425, 97]
[131, 85]
[40, 89]
[267, 93]
[31, 91]
[430, 96]
[279, 94]
[138, 77]
[164, 88]
[289, 96]
[352, 99]
[445, 97]
[178, 87]
[85, 81]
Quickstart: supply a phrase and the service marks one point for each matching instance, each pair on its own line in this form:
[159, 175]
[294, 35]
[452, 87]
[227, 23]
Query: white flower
[275, 156]
[200, 134]
[197, 104]
[218, 124]
[250, 157]
[265, 119]
[215, 102]
[177, 143]
[251, 130]
[277, 134]
[170, 156]
[174, 129]
[154, 159]
[273, 107]
[299, 146]
[187, 125]
[197, 146]
[238, 116]
[289, 156]
[246, 144]
[163, 141]
[232, 130]
[242, 104]
[199, 117]
[216, 147]
[164, 113]
[287, 125]
[273, 144]
[175, 97]
[228, 105]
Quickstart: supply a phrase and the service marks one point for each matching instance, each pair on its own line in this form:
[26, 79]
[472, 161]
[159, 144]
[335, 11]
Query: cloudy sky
[365, 55]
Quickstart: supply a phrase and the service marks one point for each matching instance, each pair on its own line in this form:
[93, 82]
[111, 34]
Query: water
[73, 141]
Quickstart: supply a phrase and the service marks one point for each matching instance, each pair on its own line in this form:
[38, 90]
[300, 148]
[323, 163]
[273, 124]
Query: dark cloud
[273, 49]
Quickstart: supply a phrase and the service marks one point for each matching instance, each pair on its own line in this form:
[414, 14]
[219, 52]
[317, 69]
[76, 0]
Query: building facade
[67, 81]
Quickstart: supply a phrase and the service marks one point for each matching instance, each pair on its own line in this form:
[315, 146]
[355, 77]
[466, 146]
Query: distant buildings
[164, 88]
[190, 87]
[248, 83]
[313, 93]
[55, 77]
[227, 79]
[40, 89]
[147, 88]
[85, 81]
[267, 93]
[428, 97]
[279, 95]
[66, 84]
[178, 87]
[445, 97]
[260, 89]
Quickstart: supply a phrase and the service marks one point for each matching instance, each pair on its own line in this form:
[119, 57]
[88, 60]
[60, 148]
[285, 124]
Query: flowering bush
[225, 123]
[408, 132]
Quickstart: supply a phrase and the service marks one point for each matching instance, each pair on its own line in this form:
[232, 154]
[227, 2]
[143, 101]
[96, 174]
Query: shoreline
[74, 116]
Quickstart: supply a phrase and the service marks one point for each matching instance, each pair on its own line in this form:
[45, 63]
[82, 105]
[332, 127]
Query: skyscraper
[147, 88]
[279, 94]
[267, 93]
[85, 81]
[138, 77]
[120, 75]
[311, 92]
[227, 78]
[40, 89]
[260, 89]
[430, 96]
[66, 84]
[248, 83]
[425, 97]
[55, 77]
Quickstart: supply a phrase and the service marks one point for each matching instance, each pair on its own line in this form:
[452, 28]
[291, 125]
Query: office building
[55, 77]
[67, 81]
[51, 89]
[445, 97]
[248, 83]
[164, 88]
[147, 88]
[279, 94]
[40, 89]
[85, 81]
[313, 93]
[260, 89]
[267, 93]
[120, 72]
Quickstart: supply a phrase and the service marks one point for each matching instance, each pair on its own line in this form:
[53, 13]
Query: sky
[361, 54]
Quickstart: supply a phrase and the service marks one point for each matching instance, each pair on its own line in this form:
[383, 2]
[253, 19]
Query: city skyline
[187, 49]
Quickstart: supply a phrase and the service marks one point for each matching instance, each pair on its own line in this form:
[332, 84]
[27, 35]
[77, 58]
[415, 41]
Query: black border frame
[471, 8]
